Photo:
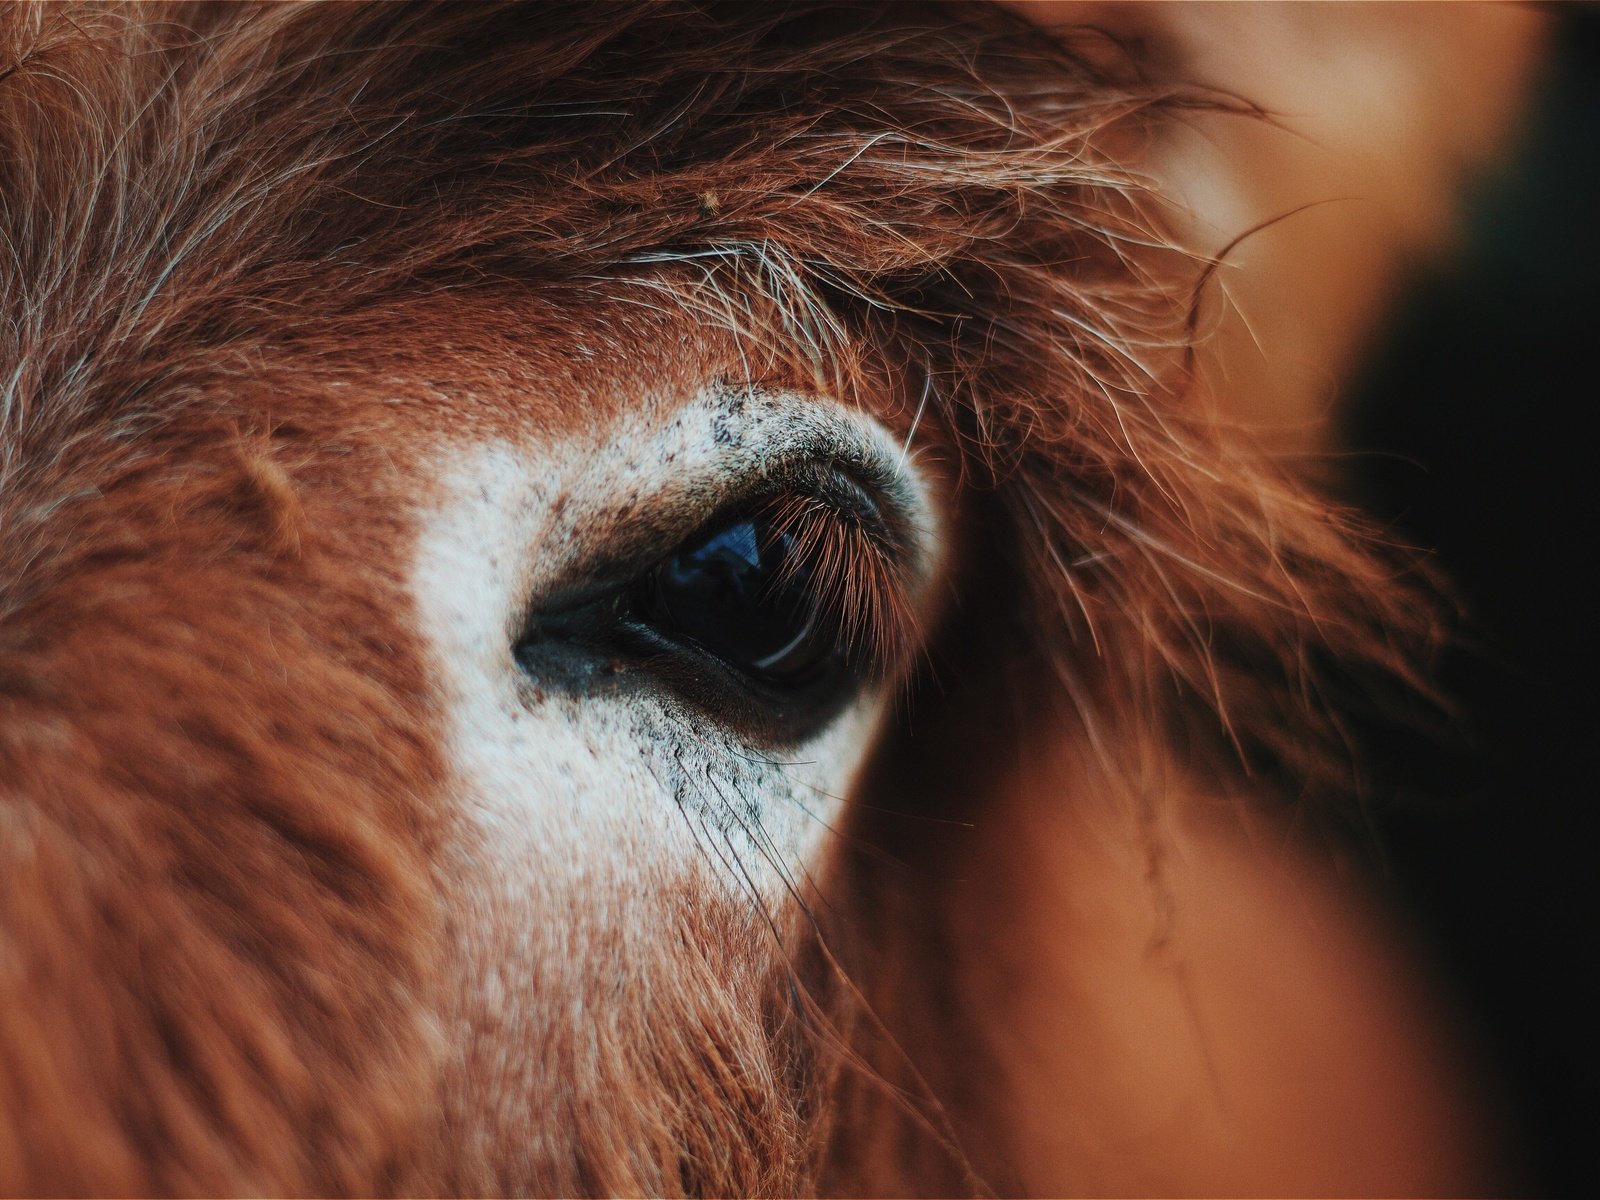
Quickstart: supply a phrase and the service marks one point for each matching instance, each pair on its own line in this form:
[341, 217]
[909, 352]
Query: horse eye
[744, 594]
[770, 618]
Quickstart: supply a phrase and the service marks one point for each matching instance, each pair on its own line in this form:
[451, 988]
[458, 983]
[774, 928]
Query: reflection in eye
[805, 593]
[746, 595]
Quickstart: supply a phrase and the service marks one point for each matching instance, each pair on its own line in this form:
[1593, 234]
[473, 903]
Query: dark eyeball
[745, 595]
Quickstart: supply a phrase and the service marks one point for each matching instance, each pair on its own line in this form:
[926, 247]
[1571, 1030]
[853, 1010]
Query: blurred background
[1472, 420]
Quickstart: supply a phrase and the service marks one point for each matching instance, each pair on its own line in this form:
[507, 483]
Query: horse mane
[918, 212]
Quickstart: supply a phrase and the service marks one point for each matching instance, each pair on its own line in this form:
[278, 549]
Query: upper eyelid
[646, 533]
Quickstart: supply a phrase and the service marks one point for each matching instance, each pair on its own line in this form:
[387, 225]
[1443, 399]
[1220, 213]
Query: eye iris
[743, 595]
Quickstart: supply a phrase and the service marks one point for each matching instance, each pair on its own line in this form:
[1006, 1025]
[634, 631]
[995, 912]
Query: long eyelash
[857, 580]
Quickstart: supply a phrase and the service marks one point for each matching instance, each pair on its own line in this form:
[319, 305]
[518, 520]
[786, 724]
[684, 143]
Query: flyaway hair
[914, 209]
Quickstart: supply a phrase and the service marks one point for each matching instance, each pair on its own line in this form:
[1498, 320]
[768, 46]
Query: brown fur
[225, 231]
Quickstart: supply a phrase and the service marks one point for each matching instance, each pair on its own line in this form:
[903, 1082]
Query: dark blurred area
[1473, 425]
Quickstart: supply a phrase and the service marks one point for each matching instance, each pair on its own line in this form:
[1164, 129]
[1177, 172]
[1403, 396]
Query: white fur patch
[585, 801]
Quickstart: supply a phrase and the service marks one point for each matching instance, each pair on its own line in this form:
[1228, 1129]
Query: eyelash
[860, 565]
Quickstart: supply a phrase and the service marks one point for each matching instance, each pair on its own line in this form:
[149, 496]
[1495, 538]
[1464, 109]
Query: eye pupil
[743, 595]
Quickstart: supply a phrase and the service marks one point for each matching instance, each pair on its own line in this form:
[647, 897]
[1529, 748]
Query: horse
[673, 598]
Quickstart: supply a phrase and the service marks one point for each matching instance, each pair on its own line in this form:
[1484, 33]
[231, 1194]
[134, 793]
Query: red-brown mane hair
[221, 947]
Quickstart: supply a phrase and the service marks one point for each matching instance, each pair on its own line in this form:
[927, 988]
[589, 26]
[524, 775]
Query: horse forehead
[536, 372]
